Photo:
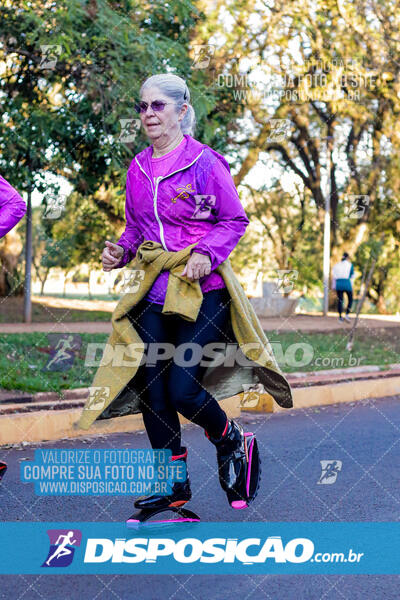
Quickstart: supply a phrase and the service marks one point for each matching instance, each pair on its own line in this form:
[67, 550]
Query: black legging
[340, 301]
[167, 388]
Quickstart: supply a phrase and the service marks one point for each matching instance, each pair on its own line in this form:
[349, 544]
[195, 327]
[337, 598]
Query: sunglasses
[157, 106]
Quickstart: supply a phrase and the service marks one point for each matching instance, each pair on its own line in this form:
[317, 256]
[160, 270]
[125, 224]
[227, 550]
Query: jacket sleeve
[12, 207]
[131, 239]
[232, 220]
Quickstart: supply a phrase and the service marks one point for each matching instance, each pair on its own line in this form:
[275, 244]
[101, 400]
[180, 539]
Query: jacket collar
[192, 150]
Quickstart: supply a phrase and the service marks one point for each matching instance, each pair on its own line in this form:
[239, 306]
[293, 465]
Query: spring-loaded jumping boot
[181, 492]
[239, 464]
[149, 506]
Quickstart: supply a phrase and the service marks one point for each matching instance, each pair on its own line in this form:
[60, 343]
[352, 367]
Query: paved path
[363, 435]
[319, 323]
[58, 327]
[303, 322]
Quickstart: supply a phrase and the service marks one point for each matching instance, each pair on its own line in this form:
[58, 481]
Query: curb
[367, 385]
[76, 393]
[349, 370]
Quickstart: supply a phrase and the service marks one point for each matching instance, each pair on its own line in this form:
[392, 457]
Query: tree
[316, 80]
[71, 71]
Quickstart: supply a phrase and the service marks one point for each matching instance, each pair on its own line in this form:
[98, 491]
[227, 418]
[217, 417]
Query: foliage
[328, 71]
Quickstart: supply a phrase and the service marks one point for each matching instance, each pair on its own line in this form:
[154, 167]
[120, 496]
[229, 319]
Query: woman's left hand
[197, 266]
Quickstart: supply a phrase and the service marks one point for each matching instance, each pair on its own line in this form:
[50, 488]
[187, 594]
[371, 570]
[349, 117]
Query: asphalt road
[363, 435]
[306, 322]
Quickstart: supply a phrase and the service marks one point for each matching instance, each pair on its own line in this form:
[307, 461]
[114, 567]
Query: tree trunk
[43, 281]
[65, 282]
[381, 305]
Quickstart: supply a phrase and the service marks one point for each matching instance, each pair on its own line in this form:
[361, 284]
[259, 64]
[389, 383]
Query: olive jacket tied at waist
[113, 392]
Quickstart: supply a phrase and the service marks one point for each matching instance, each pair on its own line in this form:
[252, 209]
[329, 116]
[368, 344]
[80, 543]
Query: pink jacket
[196, 202]
[12, 207]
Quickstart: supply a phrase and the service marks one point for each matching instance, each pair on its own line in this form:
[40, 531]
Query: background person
[342, 274]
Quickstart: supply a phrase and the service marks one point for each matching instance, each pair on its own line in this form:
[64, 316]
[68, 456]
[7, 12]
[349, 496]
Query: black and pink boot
[150, 506]
[239, 464]
[181, 492]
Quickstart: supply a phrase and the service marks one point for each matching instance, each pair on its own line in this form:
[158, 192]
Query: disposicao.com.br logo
[213, 550]
[62, 547]
[96, 547]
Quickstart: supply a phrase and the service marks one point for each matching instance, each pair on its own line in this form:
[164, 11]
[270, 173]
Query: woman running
[180, 191]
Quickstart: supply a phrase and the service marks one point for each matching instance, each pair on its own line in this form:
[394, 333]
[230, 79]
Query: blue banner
[92, 472]
[200, 548]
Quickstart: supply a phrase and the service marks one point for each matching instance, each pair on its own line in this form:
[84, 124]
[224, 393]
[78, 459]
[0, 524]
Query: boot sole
[239, 500]
[174, 504]
[144, 517]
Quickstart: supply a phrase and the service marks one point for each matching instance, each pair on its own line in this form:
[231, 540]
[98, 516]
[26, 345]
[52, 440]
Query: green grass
[23, 356]
[323, 351]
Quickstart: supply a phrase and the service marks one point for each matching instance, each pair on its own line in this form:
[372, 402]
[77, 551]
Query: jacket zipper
[155, 194]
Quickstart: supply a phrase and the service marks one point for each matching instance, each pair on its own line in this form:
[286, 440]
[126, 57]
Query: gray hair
[175, 88]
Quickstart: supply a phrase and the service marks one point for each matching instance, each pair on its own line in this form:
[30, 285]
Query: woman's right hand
[111, 256]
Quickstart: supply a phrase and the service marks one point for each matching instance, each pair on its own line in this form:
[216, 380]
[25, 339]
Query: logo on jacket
[62, 547]
[184, 192]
